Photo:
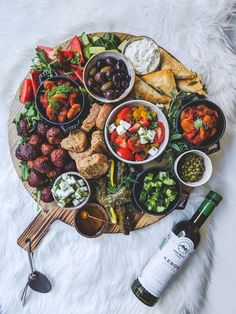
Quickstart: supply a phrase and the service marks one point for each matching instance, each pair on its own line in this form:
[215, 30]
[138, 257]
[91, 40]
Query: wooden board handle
[37, 229]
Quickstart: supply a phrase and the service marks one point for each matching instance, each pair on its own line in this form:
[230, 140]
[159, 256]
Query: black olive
[111, 61]
[120, 65]
[100, 64]
[121, 75]
[99, 77]
[110, 94]
[97, 89]
[109, 74]
[125, 84]
[128, 77]
[116, 80]
[90, 82]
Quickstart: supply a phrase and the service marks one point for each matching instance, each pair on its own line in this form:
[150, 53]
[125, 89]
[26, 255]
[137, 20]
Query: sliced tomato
[134, 128]
[78, 72]
[121, 140]
[132, 144]
[125, 114]
[49, 52]
[76, 46]
[35, 80]
[113, 136]
[139, 156]
[145, 122]
[160, 133]
[125, 153]
[26, 92]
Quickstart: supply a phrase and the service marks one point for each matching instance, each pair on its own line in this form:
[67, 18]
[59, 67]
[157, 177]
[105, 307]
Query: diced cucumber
[95, 38]
[86, 52]
[94, 50]
[160, 209]
[122, 45]
[85, 39]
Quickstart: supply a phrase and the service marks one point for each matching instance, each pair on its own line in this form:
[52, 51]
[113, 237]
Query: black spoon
[36, 280]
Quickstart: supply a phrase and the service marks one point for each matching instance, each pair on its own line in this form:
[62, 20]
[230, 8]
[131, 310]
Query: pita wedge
[191, 85]
[179, 70]
[161, 80]
[146, 92]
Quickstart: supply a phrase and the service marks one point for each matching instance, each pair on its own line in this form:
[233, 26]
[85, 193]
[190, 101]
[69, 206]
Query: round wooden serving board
[51, 212]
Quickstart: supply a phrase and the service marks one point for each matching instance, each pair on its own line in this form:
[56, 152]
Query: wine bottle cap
[214, 197]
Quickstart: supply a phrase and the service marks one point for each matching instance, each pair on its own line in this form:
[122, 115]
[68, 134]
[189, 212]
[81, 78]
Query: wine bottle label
[165, 263]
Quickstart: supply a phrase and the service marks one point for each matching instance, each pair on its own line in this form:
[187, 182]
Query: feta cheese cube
[111, 128]
[120, 130]
[64, 176]
[71, 180]
[126, 125]
[81, 182]
[141, 131]
[143, 139]
[64, 185]
[151, 135]
[76, 202]
[153, 151]
[84, 188]
[67, 192]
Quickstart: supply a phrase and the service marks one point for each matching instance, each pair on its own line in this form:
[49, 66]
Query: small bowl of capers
[193, 168]
[109, 76]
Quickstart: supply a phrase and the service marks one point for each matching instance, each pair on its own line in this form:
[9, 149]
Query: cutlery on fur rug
[36, 280]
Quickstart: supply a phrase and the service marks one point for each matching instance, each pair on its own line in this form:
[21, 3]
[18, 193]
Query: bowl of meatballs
[109, 76]
[44, 157]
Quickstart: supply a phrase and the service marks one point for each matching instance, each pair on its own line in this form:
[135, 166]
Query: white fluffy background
[94, 276]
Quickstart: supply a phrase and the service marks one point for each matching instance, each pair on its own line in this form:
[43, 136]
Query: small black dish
[68, 125]
[179, 203]
[211, 145]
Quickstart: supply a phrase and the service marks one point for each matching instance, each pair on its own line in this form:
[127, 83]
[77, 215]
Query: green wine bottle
[172, 253]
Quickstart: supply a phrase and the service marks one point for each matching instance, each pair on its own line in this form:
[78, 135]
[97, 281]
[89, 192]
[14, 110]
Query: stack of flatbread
[173, 76]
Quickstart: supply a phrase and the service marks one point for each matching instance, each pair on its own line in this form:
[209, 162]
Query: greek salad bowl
[71, 190]
[136, 132]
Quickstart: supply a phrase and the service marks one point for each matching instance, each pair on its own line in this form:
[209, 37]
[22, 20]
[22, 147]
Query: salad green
[159, 190]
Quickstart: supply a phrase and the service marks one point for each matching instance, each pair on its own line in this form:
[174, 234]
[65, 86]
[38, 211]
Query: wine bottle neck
[206, 208]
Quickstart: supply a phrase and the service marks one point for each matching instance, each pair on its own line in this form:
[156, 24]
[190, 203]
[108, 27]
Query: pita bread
[191, 85]
[146, 92]
[179, 70]
[161, 80]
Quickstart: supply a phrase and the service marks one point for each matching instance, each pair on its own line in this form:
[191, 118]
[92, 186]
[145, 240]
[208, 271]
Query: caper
[93, 71]
[106, 86]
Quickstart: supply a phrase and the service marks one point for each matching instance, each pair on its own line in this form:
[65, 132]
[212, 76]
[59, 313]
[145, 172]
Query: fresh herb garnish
[62, 89]
[24, 171]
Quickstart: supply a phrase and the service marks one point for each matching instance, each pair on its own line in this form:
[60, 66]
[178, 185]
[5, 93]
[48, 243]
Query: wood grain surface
[51, 212]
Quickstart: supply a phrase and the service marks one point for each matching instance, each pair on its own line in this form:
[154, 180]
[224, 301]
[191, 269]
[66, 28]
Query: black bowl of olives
[109, 76]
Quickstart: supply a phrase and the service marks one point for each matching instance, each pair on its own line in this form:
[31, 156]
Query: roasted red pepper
[26, 92]
[35, 80]
[125, 153]
[76, 46]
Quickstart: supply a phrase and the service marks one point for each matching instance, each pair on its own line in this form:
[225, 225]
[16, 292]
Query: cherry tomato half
[145, 122]
[134, 128]
[125, 114]
[125, 153]
[121, 140]
[133, 145]
[113, 136]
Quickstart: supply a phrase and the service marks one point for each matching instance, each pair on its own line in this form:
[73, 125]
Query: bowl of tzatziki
[144, 53]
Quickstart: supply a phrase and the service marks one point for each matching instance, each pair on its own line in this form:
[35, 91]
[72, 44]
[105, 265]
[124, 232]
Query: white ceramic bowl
[74, 173]
[137, 103]
[103, 55]
[207, 173]
[131, 40]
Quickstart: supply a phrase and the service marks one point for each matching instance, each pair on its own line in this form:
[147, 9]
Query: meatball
[36, 179]
[53, 173]
[23, 128]
[42, 128]
[59, 157]
[71, 166]
[26, 152]
[55, 135]
[35, 139]
[46, 149]
[42, 164]
[46, 194]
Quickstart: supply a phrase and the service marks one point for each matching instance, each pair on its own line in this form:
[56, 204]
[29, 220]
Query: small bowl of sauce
[86, 223]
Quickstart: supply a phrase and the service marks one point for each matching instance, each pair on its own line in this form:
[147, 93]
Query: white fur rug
[94, 276]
